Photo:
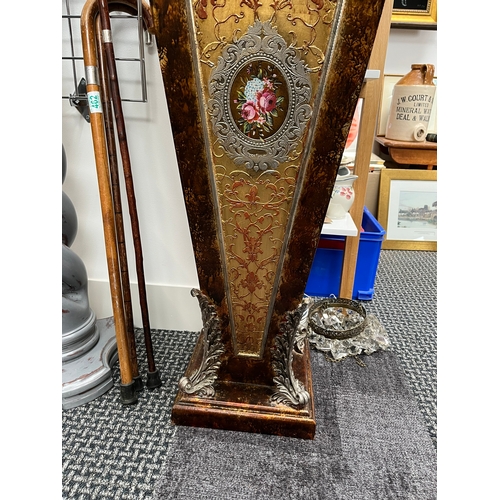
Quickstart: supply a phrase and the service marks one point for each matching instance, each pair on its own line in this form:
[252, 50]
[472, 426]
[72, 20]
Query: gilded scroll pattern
[260, 64]
[303, 29]
[253, 216]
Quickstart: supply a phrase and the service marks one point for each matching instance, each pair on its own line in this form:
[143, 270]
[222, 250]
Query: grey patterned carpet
[405, 302]
[114, 452]
[370, 444]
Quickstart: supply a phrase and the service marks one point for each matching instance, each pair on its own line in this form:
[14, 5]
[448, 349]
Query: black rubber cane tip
[139, 384]
[153, 380]
[128, 394]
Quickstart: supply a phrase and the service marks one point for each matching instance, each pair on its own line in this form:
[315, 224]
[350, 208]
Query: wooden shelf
[346, 226]
[370, 93]
[341, 227]
[410, 153]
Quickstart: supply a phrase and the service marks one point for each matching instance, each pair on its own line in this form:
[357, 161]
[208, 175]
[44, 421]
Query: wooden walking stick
[115, 187]
[127, 389]
[153, 377]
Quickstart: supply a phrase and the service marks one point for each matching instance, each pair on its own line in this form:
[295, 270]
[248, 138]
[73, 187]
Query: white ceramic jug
[342, 196]
[411, 105]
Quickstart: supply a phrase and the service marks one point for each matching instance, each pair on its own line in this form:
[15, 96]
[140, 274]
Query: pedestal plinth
[261, 97]
[247, 407]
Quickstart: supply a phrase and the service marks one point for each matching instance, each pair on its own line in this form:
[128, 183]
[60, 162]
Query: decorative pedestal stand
[261, 96]
[88, 345]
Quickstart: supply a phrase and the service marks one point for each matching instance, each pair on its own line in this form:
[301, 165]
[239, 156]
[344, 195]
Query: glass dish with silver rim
[337, 318]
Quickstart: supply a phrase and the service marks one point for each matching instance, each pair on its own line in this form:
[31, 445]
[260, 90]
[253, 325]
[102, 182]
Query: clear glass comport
[341, 328]
[338, 319]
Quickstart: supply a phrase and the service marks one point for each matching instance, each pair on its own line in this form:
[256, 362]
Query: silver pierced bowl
[337, 318]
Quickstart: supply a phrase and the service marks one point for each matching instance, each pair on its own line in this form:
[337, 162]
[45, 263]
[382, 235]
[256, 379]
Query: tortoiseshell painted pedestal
[261, 96]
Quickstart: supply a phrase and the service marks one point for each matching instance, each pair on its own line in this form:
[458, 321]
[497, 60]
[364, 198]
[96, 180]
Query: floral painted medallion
[260, 94]
[259, 99]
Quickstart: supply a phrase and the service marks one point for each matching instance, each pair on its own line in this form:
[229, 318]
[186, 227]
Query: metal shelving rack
[78, 98]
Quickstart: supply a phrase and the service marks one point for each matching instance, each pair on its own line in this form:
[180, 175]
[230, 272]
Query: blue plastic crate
[324, 278]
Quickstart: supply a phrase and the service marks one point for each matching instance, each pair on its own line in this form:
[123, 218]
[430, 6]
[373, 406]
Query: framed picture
[414, 14]
[385, 104]
[407, 209]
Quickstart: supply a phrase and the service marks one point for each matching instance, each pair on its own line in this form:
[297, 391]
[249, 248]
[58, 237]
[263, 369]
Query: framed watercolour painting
[408, 209]
[421, 14]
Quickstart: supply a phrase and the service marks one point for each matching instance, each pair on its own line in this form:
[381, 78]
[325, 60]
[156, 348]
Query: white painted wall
[169, 265]
[407, 47]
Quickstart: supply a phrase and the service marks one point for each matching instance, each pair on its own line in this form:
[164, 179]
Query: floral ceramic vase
[342, 196]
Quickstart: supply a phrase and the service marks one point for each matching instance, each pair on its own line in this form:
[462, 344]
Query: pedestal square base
[247, 407]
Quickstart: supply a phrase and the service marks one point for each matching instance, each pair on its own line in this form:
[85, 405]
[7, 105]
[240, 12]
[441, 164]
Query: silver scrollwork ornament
[201, 383]
[261, 45]
[290, 391]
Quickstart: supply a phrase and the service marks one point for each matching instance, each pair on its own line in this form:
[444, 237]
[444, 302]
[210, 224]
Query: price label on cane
[94, 100]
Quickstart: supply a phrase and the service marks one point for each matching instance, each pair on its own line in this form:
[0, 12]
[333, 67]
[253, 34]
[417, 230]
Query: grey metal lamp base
[89, 376]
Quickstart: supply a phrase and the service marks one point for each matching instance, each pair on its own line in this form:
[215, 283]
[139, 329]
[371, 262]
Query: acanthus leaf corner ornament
[201, 383]
[290, 391]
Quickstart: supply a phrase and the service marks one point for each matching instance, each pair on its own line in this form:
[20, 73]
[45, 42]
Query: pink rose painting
[266, 101]
[258, 102]
[249, 112]
[347, 192]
